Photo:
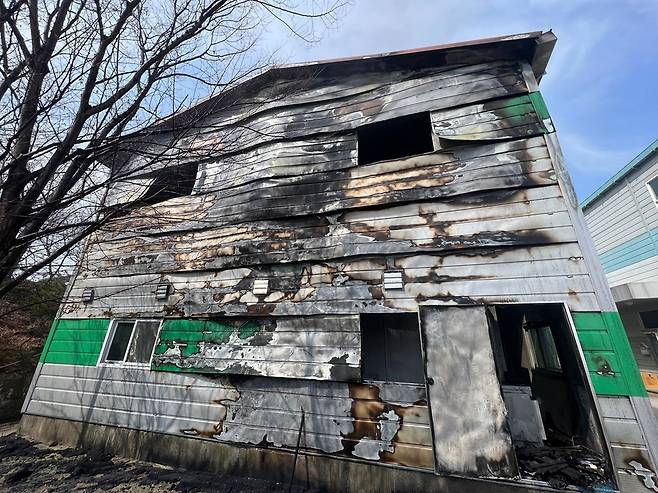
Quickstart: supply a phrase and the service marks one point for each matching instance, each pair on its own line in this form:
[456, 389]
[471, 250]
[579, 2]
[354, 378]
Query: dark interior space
[390, 348]
[395, 138]
[172, 182]
[551, 413]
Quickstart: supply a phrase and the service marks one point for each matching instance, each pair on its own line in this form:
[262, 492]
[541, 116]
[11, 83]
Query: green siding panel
[75, 342]
[539, 105]
[67, 358]
[608, 354]
[595, 340]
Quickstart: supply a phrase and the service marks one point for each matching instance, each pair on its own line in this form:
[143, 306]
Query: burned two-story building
[370, 273]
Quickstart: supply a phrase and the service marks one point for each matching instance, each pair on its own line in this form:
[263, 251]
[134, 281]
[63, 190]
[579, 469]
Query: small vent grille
[162, 291]
[393, 280]
[261, 286]
[88, 295]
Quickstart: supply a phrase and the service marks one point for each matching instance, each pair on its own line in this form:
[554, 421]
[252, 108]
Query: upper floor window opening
[395, 138]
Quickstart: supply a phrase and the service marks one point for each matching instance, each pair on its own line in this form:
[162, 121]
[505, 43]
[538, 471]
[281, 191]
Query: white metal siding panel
[626, 439]
[614, 220]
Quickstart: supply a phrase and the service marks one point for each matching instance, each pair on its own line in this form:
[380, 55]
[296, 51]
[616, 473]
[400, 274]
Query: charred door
[467, 409]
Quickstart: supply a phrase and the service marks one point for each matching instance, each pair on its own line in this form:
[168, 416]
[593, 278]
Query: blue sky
[602, 82]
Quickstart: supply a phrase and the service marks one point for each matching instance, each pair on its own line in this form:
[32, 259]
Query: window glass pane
[120, 340]
[143, 341]
[545, 349]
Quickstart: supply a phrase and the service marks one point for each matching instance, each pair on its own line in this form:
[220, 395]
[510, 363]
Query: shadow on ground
[27, 466]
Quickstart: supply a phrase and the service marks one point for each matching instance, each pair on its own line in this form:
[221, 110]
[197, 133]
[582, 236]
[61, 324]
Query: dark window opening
[650, 319]
[395, 138]
[171, 182]
[390, 348]
[545, 389]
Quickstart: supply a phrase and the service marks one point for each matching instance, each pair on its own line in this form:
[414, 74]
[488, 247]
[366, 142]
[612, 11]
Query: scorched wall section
[480, 219]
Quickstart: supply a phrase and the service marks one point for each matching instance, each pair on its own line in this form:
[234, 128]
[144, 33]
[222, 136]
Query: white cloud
[583, 155]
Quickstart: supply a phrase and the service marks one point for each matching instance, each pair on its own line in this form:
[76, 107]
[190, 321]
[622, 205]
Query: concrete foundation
[332, 474]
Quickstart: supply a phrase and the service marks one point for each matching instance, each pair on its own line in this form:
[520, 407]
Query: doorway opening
[551, 412]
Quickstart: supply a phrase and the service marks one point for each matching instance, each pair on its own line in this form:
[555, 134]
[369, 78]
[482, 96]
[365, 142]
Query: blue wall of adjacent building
[633, 251]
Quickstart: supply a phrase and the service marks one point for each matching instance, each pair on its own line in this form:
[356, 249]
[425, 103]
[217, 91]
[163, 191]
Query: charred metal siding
[484, 218]
[354, 420]
[472, 222]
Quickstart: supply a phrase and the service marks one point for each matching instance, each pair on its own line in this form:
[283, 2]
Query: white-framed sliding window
[130, 343]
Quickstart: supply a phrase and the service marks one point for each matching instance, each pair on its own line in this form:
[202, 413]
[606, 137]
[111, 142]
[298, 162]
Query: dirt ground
[27, 466]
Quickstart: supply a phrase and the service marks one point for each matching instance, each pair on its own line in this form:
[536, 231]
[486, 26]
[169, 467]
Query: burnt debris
[564, 466]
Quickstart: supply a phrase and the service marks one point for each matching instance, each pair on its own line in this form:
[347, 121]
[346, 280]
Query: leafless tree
[82, 77]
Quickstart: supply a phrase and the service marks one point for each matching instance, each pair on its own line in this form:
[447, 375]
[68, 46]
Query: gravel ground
[27, 466]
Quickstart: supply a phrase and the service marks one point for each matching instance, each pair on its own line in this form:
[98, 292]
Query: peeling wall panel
[327, 348]
[389, 100]
[429, 176]
[507, 118]
[413, 228]
[549, 273]
[385, 422]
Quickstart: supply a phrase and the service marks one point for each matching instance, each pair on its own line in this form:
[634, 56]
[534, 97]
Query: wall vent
[162, 291]
[261, 286]
[87, 295]
[393, 280]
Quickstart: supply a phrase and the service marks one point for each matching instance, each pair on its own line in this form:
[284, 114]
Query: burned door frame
[582, 366]
[582, 363]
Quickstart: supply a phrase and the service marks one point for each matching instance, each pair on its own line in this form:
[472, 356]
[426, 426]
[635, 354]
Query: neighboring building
[622, 216]
[382, 279]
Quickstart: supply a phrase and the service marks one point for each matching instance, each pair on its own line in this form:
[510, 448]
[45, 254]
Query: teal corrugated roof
[653, 147]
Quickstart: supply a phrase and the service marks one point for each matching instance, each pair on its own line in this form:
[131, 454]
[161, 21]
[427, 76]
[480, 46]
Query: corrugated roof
[637, 161]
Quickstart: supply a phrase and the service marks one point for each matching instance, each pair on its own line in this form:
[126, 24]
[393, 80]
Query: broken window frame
[109, 339]
[544, 349]
[154, 187]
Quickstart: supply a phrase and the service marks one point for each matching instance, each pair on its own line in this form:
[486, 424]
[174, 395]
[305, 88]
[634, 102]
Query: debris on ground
[31, 467]
[564, 466]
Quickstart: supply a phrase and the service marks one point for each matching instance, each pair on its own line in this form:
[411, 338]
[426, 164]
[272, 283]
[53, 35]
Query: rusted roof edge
[541, 46]
[413, 51]
[536, 47]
